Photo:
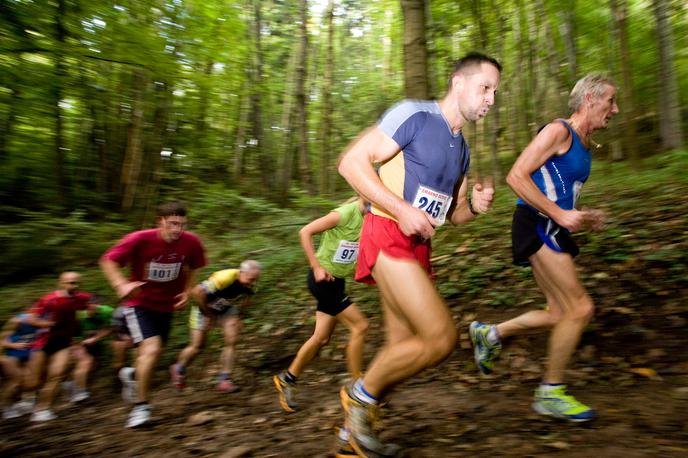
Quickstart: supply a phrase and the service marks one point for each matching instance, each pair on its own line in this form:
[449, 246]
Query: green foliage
[41, 245]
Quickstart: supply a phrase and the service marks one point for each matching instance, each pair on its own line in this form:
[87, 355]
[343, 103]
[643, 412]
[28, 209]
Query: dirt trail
[450, 411]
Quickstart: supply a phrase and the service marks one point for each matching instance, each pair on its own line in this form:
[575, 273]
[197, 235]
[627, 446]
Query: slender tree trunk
[525, 79]
[670, 127]
[326, 93]
[568, 33]
[553, 60]
[288, 124]
[306, 173]
[133, 155]
[496, 124]
[154, 148]
[237, 168]
[619, 10]
[60, 74]
[255, 147]
[415, 50]
[8, 123]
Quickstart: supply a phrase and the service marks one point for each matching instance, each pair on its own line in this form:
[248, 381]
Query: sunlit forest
[241, 108]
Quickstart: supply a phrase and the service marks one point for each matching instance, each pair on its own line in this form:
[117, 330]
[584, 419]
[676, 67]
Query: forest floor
[631, 364]
[631, 367]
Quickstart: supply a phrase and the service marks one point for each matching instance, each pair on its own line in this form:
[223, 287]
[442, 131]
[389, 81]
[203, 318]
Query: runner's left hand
[182, 299]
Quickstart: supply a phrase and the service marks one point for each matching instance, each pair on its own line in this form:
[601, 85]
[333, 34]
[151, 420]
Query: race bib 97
[434, 203]
[347, 252]
[163, 272]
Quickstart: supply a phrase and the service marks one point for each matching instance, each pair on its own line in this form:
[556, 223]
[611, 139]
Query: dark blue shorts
[530, 230]
[142, 324]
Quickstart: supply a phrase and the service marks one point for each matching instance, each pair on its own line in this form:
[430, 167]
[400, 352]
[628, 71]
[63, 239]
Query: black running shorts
[530, 230]
[331, 296]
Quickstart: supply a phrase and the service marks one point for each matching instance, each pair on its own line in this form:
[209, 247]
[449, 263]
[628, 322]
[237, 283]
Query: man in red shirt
[55, 316]
[163, 265]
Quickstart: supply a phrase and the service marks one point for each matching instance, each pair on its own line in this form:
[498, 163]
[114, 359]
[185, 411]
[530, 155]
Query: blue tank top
[24, 333]
[561, 177]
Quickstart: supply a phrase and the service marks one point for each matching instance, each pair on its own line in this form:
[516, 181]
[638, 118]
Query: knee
[360, 329]
[582, 309]
[320, 340]
[441, 345]
[151, 351]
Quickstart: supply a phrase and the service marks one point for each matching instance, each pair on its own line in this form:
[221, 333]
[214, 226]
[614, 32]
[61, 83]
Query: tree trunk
[305, 171]
[415, 50]
[670, 127]
[553, 60]
[133, 155]
[237, 168]
[568, 33]
[496, 125]
[255, 146]
[619, 10]
[326, 116]
[62, 180]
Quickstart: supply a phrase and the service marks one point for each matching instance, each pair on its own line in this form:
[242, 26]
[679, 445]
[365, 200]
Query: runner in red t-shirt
[55, 315]
[163, 264]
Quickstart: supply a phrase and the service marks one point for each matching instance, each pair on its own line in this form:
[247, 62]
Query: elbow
[343, 166]
[512, 179]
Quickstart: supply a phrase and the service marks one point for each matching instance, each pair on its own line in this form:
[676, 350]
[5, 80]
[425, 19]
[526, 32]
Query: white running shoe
[126, 376]
[79, 395]
[10, 413]
[43, 415]
[25, 406]
[139, 416]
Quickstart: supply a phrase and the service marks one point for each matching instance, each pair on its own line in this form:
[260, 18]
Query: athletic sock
[180, 368]
[548, 386]
[362, 395]
[289, 377]
[223, 376]
[493, 335]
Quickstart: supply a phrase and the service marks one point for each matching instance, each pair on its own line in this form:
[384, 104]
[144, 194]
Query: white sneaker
[43, 415]
[11, 413]
[25, 406]
[79, 395]
[139, 416]
[126, 376]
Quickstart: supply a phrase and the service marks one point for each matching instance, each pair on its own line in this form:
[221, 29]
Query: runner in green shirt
[334, 260]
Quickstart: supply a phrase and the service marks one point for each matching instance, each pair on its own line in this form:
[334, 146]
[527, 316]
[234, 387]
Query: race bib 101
[347, 252]
[163, 272]
[434, 203]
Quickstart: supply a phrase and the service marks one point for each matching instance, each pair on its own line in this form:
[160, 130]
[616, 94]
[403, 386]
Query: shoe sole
[283, 403]
[542, 411]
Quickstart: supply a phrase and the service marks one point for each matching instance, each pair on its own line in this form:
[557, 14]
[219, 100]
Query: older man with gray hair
[220, 299]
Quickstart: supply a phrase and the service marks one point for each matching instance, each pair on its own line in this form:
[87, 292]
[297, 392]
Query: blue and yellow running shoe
[484, 352]
[554, 401]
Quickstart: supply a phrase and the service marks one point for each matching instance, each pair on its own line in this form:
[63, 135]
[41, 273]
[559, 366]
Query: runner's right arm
[356, 166]
[306, 234]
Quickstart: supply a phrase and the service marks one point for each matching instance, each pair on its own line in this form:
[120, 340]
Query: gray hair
[250, 265]
[592, 83]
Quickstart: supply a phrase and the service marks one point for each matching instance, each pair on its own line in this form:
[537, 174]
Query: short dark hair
[171, 209]
[471, 59]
